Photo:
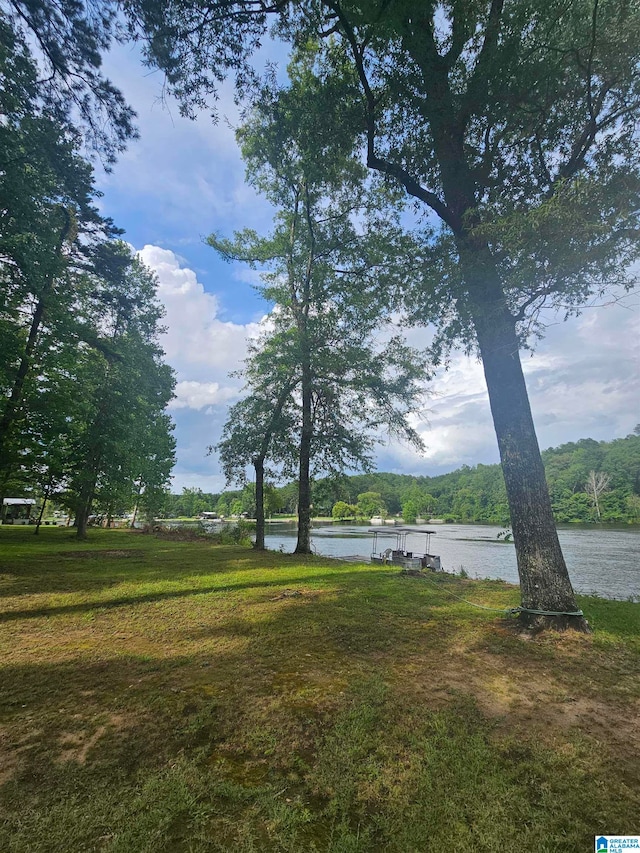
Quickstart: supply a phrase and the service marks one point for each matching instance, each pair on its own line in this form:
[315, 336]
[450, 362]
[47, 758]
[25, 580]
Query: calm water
[602, 561]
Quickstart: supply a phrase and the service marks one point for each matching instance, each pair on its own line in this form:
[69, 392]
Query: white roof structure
[18, 502]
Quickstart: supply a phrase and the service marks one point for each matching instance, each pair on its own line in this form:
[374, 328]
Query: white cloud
[583, 382]
[199, 346]
[244, 273]
[202, 395]
[184, 177]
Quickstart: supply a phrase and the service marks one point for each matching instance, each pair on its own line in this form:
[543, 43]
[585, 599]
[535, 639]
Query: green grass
[158, 695]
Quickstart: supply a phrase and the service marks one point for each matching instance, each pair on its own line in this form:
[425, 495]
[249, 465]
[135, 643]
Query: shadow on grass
[376, 764]
[116, 557]
[358, 623]
[277, 583]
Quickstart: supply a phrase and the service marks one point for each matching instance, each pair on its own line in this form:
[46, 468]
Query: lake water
[605, 561]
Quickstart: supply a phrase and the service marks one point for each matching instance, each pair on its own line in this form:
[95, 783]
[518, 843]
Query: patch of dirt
[296, 593]
[604, 721]
[77, 745]
[530, 695]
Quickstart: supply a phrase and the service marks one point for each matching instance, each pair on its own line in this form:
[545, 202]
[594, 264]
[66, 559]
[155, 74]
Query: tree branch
[592, 48]
[379, 164]
[477, 86]
[459, 35]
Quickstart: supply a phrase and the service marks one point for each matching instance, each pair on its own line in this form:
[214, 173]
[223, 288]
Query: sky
[184, 179]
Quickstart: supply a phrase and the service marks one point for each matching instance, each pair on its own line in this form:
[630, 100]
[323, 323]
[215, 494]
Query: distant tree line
[469, 494]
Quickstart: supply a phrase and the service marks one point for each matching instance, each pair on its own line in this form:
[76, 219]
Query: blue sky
[184, 179]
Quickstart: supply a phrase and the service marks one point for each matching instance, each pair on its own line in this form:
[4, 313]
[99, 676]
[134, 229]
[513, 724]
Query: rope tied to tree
[507, 610]
[547, 612]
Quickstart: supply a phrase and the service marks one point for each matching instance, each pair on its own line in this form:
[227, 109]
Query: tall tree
[45, 294]
[64, 279]
[513, 122]
[126, 389]
[50, 236]
[323, 266]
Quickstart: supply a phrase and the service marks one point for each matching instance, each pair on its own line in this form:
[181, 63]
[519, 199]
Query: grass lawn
[158, 695]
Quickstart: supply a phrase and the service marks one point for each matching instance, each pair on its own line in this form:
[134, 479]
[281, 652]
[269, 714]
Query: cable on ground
[506, 610]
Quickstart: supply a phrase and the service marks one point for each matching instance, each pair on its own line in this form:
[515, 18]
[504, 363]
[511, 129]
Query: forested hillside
[588, 481]
[478, 494]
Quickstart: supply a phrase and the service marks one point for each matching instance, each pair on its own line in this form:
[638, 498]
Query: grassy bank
[165, 696]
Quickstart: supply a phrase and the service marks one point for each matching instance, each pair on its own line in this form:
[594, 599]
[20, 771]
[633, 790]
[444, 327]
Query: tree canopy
[64, 42]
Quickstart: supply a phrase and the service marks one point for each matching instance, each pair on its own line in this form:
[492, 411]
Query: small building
[17, 511]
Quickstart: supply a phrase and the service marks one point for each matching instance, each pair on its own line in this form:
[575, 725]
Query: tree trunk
[303, 545]
[544, 579]
[13, 403]
[82, 517]
[258, 464]
[45, 498]
[136, 506]
[84, 508]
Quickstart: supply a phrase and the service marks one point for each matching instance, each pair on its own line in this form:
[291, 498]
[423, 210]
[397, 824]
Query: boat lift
[397, 553]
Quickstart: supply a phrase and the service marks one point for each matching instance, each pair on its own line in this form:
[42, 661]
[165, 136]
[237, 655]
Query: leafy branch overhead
[66, 41]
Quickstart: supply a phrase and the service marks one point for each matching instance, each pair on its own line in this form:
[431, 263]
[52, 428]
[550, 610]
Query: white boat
[17, 511]
[396, 554]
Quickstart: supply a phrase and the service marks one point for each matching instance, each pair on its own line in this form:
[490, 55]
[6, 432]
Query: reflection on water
[602, 561]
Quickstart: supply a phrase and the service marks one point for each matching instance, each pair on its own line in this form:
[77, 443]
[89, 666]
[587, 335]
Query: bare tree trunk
[82, 517]
[85, 501]
[41, 513]
[303, 545]
[258, 464]
[82, 514]
[15, 399]
[544, 579]
[596, 484]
